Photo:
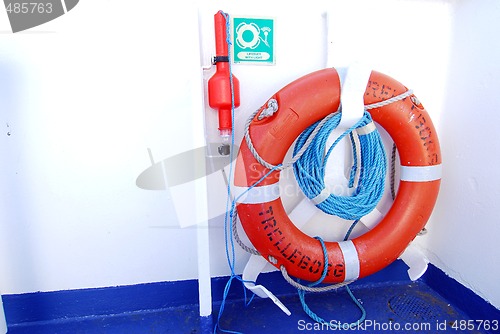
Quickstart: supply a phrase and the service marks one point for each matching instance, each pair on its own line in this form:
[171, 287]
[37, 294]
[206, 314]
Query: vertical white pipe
[336, 168]
[204, 283]
[201, 196]
[3, 322]
[329, 37]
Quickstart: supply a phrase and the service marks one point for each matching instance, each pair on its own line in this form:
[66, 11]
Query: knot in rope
[272, 107]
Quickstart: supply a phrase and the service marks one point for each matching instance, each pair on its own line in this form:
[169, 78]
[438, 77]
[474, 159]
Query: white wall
[463, 238]
[84, 97]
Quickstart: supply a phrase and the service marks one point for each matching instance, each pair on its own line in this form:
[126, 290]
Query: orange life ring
[261, 212]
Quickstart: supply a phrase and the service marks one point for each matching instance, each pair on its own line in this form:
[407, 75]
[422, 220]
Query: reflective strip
[256, 195]
[368, 128]
[322, 196]
[421, 173]
[351, 260]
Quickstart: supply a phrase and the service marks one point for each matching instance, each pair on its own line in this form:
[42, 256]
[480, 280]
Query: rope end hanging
[222, 44]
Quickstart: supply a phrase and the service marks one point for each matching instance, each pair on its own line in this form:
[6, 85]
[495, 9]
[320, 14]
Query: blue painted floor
[391, 308]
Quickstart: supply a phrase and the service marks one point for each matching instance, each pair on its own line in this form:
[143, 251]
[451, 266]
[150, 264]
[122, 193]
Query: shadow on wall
[183, 167]
[179, 175]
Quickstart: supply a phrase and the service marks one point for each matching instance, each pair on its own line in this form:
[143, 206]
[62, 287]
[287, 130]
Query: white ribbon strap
[368, 128]
[322, 196]
[254, 267]
[257, 194]
[421, 173]
[351, 260]
[416, 261]
[352, 94]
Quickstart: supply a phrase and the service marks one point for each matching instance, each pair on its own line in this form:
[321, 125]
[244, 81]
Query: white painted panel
[83, 97]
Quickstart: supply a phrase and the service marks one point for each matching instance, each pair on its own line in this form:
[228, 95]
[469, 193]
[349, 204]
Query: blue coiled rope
[310, 169]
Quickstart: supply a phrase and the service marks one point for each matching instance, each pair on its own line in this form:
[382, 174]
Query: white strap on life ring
[368, 128]
[351, 260]
[415, 260]
[421, 173]
[256, 195]
[353, 80]
[352, 93]
[255, 265]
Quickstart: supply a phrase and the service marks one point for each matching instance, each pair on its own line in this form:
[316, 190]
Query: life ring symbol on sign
[253, 29]
[263, 217]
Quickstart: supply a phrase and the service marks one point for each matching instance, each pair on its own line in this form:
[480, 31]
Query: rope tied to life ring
[308, 104]
[309, 135]
[309, 162]
[412, 131]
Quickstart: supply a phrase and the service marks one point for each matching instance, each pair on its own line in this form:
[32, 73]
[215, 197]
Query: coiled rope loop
[310, 168]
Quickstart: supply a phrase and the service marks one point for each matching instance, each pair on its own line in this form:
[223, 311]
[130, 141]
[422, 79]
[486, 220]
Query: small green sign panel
[253, 40]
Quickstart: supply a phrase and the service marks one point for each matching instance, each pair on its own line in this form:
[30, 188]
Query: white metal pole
[201, 196]
[3, 321]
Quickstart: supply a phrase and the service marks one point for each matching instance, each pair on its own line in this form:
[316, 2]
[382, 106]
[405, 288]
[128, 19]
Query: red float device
[263, 216]
[219, 85]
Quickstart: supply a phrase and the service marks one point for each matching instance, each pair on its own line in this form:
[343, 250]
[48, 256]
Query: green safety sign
[253, 40]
